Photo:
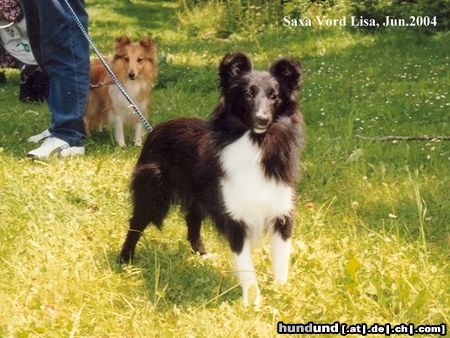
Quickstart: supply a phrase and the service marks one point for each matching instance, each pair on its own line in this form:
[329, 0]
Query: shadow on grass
[178, 276]
[110, 19]
[146, 15]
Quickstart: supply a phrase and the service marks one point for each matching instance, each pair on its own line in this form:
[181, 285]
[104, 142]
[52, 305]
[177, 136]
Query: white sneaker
[55, 146]
[39, 137]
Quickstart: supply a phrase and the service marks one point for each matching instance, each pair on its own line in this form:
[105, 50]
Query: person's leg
[63, 52]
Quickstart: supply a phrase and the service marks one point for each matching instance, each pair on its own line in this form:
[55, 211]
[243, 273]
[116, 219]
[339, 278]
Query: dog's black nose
[262, 121]
[132, 75]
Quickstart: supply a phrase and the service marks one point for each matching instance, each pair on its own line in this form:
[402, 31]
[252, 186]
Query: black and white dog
[240, 168]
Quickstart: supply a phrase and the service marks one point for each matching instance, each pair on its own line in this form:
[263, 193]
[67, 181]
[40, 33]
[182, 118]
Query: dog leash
[108, 69]
[100, 84]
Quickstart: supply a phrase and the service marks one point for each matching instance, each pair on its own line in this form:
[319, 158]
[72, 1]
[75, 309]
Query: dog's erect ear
[122, 41]
[147, 43]
[288, 72]
[233, 65]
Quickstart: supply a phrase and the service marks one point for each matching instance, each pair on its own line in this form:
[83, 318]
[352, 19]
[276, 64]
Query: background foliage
[403, 9]
[258, 15]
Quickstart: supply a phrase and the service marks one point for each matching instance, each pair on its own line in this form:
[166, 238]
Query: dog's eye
[249, 94]
[139, 59]
[273, 97]
[127, 59]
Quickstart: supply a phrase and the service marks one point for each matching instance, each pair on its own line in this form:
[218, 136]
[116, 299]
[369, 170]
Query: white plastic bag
[14, 40]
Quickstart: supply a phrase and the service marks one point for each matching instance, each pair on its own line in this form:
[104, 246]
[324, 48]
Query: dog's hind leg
[194, 222]
[151, 204]
[87, 127]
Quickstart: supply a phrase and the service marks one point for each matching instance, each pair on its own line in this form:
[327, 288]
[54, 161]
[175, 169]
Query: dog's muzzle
[262, 123]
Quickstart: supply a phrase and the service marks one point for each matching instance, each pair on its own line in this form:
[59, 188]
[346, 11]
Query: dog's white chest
[136, 89]
[249, 196]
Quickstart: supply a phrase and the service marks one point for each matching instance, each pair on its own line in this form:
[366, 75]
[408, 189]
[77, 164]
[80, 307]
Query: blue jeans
[60, 48]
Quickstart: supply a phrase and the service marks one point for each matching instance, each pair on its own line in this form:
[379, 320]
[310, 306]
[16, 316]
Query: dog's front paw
[208, 255]
[251, 294]
[125, 257]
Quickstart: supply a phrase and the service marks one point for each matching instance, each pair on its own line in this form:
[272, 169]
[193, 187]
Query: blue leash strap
[108, 69]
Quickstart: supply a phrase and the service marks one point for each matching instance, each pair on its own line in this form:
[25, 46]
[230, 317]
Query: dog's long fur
[135, 65]
[240, 168]
[99, 102]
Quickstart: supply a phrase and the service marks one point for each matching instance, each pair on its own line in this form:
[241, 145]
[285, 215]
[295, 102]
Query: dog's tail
[150, 198]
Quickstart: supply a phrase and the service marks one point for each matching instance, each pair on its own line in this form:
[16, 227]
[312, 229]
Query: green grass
[372, 230]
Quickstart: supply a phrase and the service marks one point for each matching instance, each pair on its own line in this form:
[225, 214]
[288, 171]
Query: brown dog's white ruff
[135, 65]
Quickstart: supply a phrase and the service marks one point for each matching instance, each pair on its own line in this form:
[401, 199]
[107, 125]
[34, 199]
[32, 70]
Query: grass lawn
[371, 242]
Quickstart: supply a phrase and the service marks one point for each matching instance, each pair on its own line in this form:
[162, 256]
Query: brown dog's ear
[288, 73]
[147, 43]
[232, 66]
[149, 46]
[122, 41]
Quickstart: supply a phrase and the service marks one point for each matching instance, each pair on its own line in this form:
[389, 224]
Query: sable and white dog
[240, 168]
[135, 65]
